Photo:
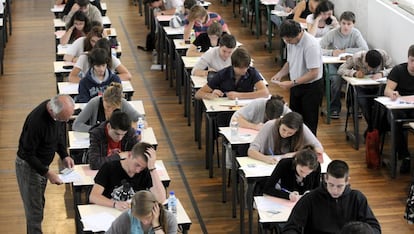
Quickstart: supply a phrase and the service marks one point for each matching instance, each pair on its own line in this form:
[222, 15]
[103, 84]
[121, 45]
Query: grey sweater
[351, 43]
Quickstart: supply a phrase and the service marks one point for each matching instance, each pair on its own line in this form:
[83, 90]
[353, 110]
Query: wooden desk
[58, 9]
[354, 82]
[252, 170]
[245, 137]
[59, 24]
[71, 89]
[96, 212]
[399, 104]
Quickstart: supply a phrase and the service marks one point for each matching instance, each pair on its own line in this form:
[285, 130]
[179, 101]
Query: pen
[285, 190]
[271, 151]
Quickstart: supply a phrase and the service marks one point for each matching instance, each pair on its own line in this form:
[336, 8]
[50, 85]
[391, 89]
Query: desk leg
[327, 94]
[256, 10]
[234, 168]
[393, 156]
[269, 29]
[209, 143]
[224, 149]
[249, 200]
[242, 202]
[356, 120]
[245, 13]
[198, 117]
[140, 7]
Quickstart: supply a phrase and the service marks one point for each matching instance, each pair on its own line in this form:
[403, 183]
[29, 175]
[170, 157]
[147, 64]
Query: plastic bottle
[236, 101]
[140, 128]
[192, 36]
[113, 52]
[154, 56]
[234, 128]
[172, 203]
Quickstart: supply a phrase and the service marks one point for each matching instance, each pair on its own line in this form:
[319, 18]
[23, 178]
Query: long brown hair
[291, 120]
[96, 31]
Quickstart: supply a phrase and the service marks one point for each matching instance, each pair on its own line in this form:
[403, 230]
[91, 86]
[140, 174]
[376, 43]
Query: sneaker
[334, 115]
[405, 166]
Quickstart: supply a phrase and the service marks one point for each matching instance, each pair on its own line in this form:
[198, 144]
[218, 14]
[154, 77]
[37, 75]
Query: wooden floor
[29, 79]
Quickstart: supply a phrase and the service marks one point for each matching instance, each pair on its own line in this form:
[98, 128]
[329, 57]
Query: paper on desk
[258, 170]
[71, 177]
[268, 205]
[97, 222]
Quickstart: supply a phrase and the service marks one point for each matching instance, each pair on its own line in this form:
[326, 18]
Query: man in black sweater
[42, 135]
[328, 208]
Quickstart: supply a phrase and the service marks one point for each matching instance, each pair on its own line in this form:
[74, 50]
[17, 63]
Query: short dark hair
[307, 157]
[338, 169]
[120, 120]
[215, 29]
[324, 6]
[189, 3]
[82, 3]
[150, 1]
[357, 227]
[240, 58]
[228, 41]
[104, 43]
[274, 107]
[373, 58]
[98, 56]
[348, 16]
[140, 149]
[411, 51]
[290, 28]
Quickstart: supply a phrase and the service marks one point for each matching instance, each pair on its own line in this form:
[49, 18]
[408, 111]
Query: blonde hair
[196, 12]
[113, 94]
[142, 204]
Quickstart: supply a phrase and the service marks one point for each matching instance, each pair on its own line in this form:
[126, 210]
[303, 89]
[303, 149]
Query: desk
[59, 24]
[71, 89]
[137, 104]
[58, 9]
[245, 136]
[326, 61]
[391, 106]
[252, 170]
[354, 83]
[62, 50]
[268, 205]
[96, 211]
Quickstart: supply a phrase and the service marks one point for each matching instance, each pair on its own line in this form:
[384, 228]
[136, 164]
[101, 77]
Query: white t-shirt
[169, 4]
[320, 32]
[83, 64]
[76, 48]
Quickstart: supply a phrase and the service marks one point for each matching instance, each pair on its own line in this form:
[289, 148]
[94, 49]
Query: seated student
[375, 63]
[136, 172]
[167, 7]
[79, 26]
[357, 227]
[99, 109]
[283, 136]
[259, 111]
[111, 140]
[345, 39]
[199, 20]
[70, 3]
[285, 6]
[83, 44]
[328, 208]
[323, 20]
[98, 77]
[400, 82]
[146, 215]
[206, 40]
[82, 64]
[91, 11]
[216, 58]
[236, 81]
[294, 176]
[303, 9]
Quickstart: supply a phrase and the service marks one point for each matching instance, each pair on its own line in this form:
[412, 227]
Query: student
[374, 63]
[146, 215]
[328, 208]
[167, 7]
[305, 84]
[285, 6]
[42, 135]
[357, 227]
[91, 11]
[294, 176]
[79, 26]
[98, 77]
[111, 140]
[303, 9]
[117, 181]
[206, 40]
[345, 39]
[323, 20]
[282, 136]
[82, 64]
[83, 44]
[99, 109]
[70, 3]
[216, 58]
[400, 82]
[259, 111]
[236, 81]
[199, 20]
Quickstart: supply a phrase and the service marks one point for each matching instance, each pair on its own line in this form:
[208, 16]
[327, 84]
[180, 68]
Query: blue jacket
[89, 88]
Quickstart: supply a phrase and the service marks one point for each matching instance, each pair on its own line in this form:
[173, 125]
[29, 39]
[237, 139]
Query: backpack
[372, 144]
[150, 42]
[409, 209]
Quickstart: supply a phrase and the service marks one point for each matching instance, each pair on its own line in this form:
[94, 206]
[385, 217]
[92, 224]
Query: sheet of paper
[71, 177]
[98, 222]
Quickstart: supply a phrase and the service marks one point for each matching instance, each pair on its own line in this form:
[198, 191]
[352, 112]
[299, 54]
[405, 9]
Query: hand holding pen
[293, 196]
[394, 95]
[272, 159]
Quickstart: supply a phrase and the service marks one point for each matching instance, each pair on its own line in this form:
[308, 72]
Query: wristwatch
[295, 83]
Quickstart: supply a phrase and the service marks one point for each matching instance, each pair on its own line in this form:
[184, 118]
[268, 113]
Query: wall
[382, 24]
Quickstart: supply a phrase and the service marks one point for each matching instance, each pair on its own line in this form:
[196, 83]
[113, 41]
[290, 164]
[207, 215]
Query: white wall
[382, 24]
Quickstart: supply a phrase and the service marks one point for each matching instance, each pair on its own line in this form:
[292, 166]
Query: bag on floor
[409, 208]
[372, 146]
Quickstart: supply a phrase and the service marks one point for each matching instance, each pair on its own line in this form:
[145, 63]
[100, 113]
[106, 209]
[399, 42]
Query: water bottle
[113, 52]
[140, 128]
[192, 36]
[234, 128]
[154, 56]
[172, 203]
[236, 101]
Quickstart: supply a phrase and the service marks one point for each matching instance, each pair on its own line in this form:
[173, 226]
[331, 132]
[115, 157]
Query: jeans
[401, 135]
[32, 188]
[336, 85]
[367, 103]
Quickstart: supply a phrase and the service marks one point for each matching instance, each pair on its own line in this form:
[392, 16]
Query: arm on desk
[260, 92]
[390, 90]
[65, 38]
[96, 197]
[243, 123]
[208, 93]
[192, 51]
[123, 72]
[300, 7]
[187, 29]
[261, 157]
